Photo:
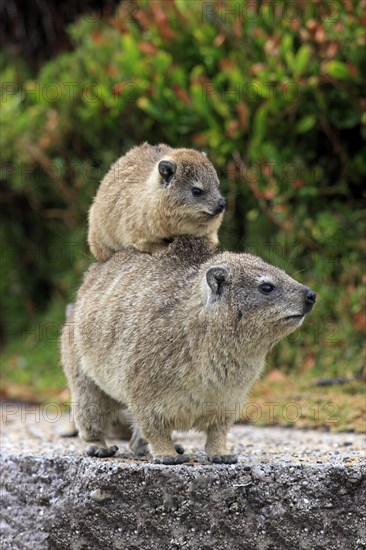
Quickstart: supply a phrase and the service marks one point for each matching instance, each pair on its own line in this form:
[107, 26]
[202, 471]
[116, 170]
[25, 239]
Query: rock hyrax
[152, 194]
[178, 337]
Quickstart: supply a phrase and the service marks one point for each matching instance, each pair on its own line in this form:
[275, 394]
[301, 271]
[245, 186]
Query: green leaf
[260, 122]
[301, 60]
[337, 69]
[287, 44]
[262, 89]
[305, 124]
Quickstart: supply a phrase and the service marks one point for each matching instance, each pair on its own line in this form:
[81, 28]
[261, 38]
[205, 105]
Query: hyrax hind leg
[216, 445]
[93, 411]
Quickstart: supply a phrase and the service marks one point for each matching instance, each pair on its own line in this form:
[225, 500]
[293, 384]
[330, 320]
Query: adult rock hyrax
[177, 337]
[152, 194]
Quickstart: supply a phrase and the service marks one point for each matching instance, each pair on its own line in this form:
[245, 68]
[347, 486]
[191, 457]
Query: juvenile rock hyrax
[178, 337]
[152, 194]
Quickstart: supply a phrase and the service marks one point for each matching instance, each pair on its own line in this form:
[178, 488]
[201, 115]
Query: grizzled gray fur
[171, 335]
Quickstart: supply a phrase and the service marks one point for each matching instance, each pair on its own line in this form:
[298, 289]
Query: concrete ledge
[290, 489]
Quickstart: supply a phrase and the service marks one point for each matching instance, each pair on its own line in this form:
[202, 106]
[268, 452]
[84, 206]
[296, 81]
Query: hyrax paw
[223, 459]
[179, 448]
[171, 460]
[101, 452]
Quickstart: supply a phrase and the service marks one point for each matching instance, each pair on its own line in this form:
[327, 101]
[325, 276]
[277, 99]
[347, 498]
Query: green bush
[275, 96]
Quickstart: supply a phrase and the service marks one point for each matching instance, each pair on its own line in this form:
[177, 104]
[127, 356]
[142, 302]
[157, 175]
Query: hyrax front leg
[161, 445]
[216, 445]
[140, 446]
[93, 409]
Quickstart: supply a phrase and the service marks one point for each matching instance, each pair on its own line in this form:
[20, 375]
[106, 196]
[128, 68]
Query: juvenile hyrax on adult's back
[152, 194]
[178, 337]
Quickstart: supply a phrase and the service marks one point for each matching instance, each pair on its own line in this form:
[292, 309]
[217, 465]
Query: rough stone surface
[291, 489]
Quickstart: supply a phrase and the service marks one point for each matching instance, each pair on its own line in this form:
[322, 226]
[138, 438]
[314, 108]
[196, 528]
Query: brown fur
[134, 206]
[173, 336]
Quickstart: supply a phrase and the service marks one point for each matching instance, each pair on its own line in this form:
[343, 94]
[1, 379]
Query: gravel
[290, 489]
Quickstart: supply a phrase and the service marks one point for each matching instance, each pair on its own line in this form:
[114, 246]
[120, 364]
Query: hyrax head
[189, 185]
[260, 302]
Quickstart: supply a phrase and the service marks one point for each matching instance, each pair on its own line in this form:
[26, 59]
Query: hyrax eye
[196, 191]
[266, 288]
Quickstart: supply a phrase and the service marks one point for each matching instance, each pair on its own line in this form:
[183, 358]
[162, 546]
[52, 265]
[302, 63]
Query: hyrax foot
[140, 447]
[100, 450]
[223, 459]
[171, 460]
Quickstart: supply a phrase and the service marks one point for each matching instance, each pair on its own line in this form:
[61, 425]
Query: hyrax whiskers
[152, 194]
[174, 336]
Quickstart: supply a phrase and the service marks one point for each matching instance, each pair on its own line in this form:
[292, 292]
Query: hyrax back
[179, 337]
[152, 194]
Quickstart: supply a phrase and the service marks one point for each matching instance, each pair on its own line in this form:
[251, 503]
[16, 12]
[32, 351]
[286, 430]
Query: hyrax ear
[167, 169]
[218, 279]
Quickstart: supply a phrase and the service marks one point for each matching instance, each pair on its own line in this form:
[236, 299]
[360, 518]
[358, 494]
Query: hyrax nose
[220, 206]
[310, 298]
